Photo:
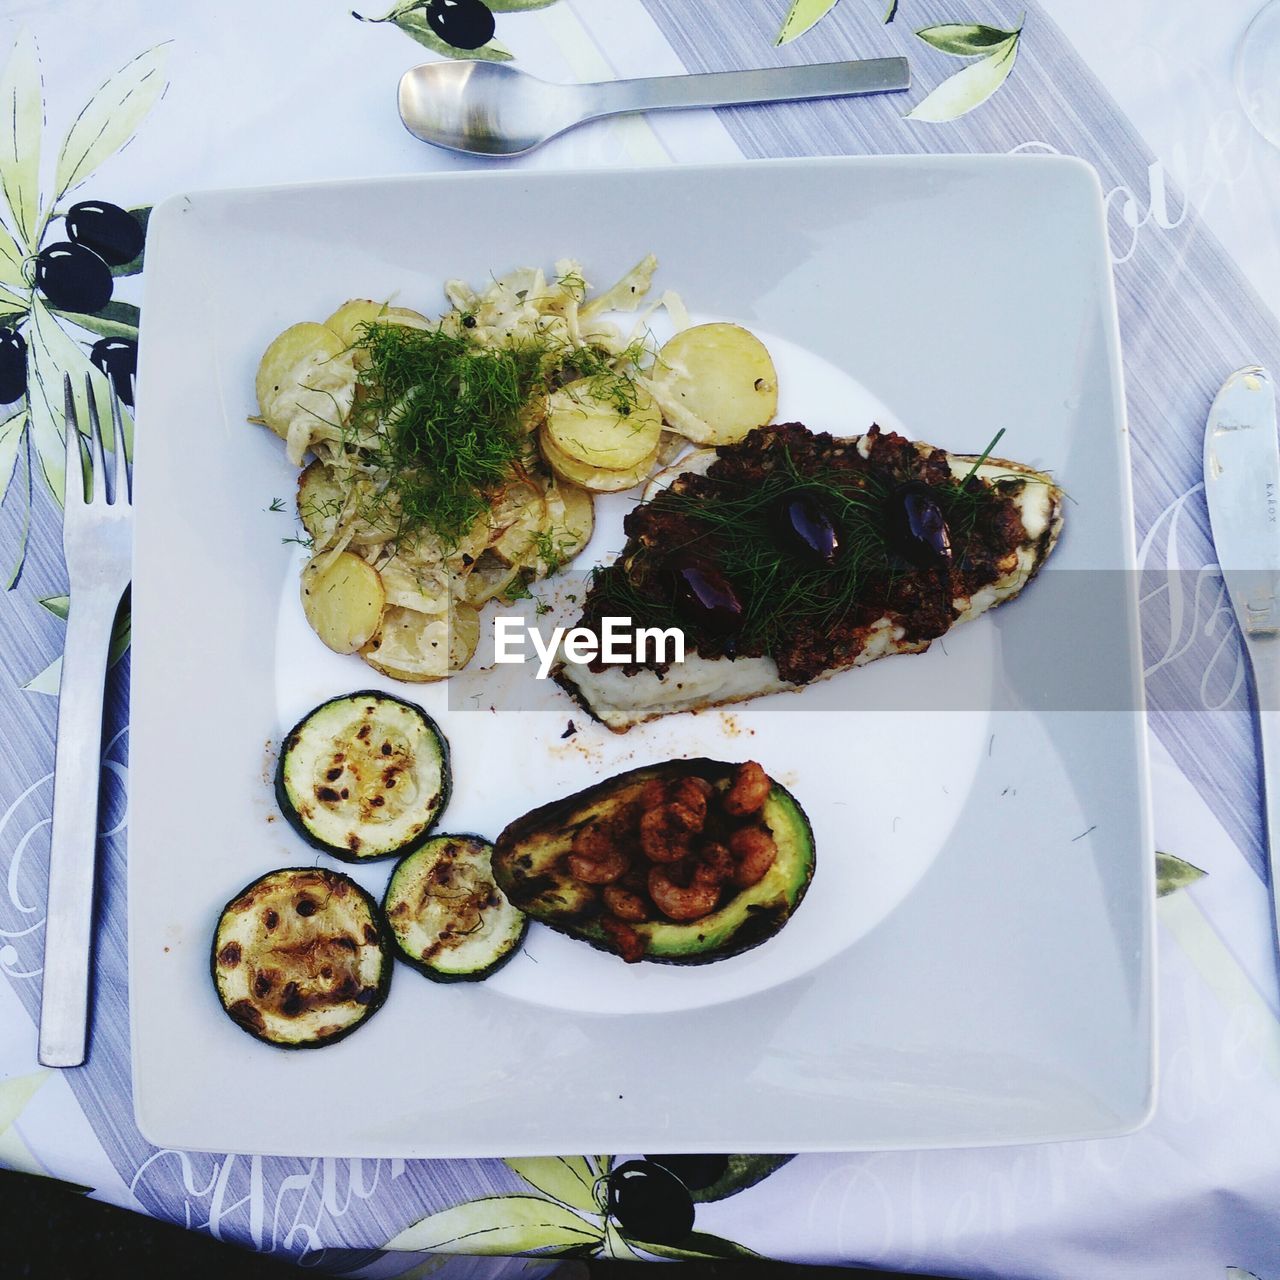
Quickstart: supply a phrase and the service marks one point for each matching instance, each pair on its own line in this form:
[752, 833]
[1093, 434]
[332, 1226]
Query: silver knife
[1242, 488]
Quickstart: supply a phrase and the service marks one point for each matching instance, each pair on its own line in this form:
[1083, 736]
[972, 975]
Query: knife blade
[1242, 489]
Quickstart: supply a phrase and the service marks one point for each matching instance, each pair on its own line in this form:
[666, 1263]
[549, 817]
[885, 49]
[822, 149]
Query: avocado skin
[528, 867]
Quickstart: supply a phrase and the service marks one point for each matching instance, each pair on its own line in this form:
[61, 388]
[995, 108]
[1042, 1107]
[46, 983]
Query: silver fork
[97, 536]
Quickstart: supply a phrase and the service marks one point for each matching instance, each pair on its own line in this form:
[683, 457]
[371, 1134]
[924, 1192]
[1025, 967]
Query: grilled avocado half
[530, 867]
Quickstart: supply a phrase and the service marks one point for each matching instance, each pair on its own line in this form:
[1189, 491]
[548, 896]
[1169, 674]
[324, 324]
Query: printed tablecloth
[131, 104]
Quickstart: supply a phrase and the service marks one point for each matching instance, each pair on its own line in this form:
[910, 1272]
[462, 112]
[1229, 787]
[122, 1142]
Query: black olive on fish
[706, 596]
[808, 531]
[917, 526]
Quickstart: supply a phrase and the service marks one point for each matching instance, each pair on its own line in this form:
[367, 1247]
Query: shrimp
[691, 794]
[749, 790]
[630, 945]
[678, 902]
[613, 866]
[663, 835]
[653, 793]
[715, 865]
[755, 851]
[625, 903]
[596, 857]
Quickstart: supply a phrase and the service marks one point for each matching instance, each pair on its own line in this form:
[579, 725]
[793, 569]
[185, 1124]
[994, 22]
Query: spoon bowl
[485, 108]
[492, 109]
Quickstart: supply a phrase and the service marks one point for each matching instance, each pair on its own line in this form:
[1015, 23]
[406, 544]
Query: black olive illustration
[13, 366]
[696, 1172]
[118, 359]
[808, 531]
[113, 233]
[706, 596]
[73, 277]
[650, 1203]
[917, 527]
[465, 24]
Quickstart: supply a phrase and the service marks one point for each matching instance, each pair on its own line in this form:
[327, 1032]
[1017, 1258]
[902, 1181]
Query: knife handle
[1264, 660]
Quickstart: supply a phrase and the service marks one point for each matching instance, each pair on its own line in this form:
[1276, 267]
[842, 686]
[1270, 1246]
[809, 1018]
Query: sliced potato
[517, 544]
[489, 577]
[407, 317]
[596, 479]
[320, 502]
[418, 586]
[343, 599]
[593, 431]
[349, 320]
[572, 518]
[306, 383]
[328, 507]
[419, 647]
[714, 383]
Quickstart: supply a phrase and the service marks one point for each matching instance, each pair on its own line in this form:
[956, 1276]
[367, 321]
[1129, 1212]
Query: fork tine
[74, 483]
[120, 492]
[97, 462]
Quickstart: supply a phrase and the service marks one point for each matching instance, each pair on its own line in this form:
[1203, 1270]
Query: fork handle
[64, 997]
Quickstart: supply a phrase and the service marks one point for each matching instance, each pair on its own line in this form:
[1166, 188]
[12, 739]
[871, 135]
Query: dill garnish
[736, 528]
[439, 416]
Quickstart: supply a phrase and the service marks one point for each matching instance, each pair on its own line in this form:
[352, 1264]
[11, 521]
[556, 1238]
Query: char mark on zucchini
[447, 915]
[301, 957]
[364, 776]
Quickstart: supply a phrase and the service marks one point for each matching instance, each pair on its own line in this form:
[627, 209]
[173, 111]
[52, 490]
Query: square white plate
[973, 961]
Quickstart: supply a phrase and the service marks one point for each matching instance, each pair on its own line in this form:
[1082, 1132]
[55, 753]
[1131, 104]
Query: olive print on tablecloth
[455, 28]
[62, 260]
[642, 1209]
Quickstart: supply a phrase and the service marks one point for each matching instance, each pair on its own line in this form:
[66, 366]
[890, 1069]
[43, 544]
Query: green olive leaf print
[412, 20]
[121, 637]
[50, 354]
[15, 1093]
[961, 93]
[11, 256]
[21, 123]
[11, 433]
[115, 320]
[891, 12]
[696, 1245]
[518, 6]
[616, 1246]
[1173, 874]
[964, 39]
[569, 1179]
[802, 15]
[501, 1225]
[741, 1172]
[1237, 1273]
[110, 118]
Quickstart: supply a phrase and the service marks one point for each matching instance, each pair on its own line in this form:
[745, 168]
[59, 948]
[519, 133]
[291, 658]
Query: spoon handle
[769, 84]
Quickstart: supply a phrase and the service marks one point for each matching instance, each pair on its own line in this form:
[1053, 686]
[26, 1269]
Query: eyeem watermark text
[617, 642]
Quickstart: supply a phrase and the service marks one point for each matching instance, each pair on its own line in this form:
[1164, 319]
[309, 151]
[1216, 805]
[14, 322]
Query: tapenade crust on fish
[792, 555]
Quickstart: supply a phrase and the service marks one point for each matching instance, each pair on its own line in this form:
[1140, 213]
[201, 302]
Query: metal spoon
[490, 109]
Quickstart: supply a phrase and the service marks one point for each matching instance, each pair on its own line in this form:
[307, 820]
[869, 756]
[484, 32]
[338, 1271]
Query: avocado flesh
[529, 865]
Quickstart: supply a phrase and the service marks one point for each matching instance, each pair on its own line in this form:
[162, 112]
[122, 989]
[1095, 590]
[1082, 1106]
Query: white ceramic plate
[972, 964]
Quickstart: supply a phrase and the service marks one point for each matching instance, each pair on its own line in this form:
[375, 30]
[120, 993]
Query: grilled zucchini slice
[301, 957]
[448, 917]
[364, 776]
